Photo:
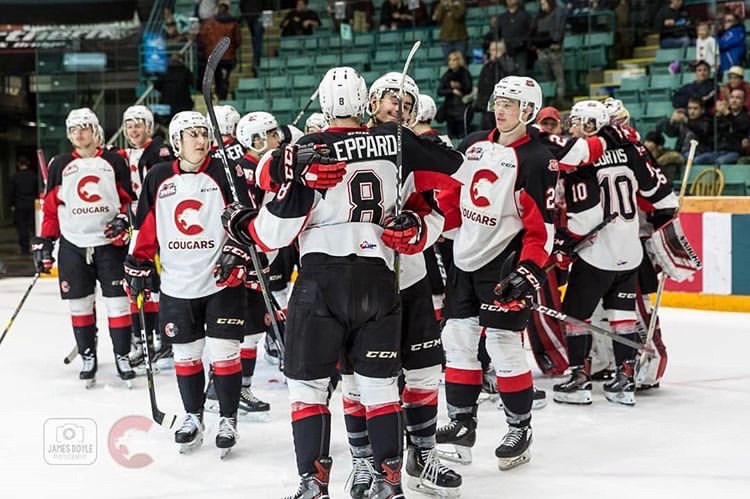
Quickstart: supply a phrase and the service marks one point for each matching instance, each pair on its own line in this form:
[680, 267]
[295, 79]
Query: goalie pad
[547, 335]
[652, 370]
[671, 251]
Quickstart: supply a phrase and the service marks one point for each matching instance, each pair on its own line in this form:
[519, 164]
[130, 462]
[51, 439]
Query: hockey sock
[356, 423]
[84, 331]
[386, 432]
[247, 357]
[420, 414]
[311, 430]
[579, 346]
[623, 352]
[190, 380]
[228, 382]
[119, 331]
[517, 394]
[462, 387]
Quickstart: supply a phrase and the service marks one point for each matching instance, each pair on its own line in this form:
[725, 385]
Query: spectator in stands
[514, 26]
[674, 25]
[705, 45]
[455, 87]
[547, 38]
[669, 160]
[205, 9]
[175, 85]
[733, 127]
[582, 14]
[694, 124]
[703, 88]
[731, 42]
[451, 15]
[24, 189]
[357, 13]
[213, 30]
[395, 14]
[300, 20]
[172, 35]
[549, 120]
[251, 11]
[498, 66]
[736, 79]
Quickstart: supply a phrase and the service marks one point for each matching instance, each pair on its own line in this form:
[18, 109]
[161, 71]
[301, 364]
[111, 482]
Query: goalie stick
[208, 78]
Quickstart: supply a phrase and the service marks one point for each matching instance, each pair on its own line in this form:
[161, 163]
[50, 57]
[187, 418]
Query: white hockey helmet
[316, 120]
[618, 113]
[342, 93]
[391, 82]
[227, 118]
[589, 112]
[253, 126]
[521, 88]
[181, 122]
[142, 113]
[427, 109]
[81, 117]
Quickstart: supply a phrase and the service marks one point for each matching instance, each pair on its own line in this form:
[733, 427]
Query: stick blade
[213, 61]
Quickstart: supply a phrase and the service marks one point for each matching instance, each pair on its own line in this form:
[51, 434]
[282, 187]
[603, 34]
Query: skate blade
[274, 361]
[224, 453]
[508, 463]
[255, 417]
[140, 370]
[488, 397]
[461, 454]
[424, 487]
[128, 383]
[191, 446]
[164, 364]
[581, 397]
[624, 398]
[89, 383]
[539, 404]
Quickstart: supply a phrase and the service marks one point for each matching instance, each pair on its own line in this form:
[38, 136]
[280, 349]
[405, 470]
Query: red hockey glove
[231, 268]
[140, 278]
[41, 252]
[235, 219]
[310, 165]
[405, 233]
[518, 286]
[118, 230]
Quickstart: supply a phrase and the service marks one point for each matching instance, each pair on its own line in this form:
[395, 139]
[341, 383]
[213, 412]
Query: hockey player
[202, 276]
[506, 206]
[315, 123]
[88, 193]
[144, 151]
[331, 315]
[227, 118]
[606, 269]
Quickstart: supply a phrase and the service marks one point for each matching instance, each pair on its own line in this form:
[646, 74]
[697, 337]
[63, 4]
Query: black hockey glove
[140, 278]
[236, 219]
[518, 286]
[231, 267]
[308, 164]
[41, 253]
[118, 230]
[660, 218]
[563, 250]
[405, 233]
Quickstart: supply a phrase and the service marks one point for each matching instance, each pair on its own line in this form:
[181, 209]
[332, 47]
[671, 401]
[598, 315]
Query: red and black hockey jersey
[234, 151]
[179, 217]
[140, 160]
[83, 195]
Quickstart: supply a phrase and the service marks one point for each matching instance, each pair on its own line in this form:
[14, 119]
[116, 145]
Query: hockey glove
[140, 278]
[405, 233]
[308, 165]
[562, 251]
[118, 230]
[518, 286]
[231, 267]
[236, 219]
[41, 252]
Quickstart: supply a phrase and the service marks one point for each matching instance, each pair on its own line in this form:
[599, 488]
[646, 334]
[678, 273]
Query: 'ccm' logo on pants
[375, 354]
[230, 322]
[424, 346]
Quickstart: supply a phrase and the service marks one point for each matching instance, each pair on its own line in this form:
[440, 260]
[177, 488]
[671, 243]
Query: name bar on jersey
[365, 147]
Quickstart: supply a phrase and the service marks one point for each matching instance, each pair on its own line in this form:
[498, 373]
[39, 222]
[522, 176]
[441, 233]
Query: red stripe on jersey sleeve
[263, 175]
[448, 201]
[125, 199]
[535, 232]
[50, 221]
[596, 148]
[146, 243]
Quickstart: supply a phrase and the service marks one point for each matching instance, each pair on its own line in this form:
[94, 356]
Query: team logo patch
[168, 189]
[553, 165]
[170, 330]
[475, 153]
[186, 217]
[480, 187]
[69, 170]
[64, 286]
[240, 172]
[366, 245]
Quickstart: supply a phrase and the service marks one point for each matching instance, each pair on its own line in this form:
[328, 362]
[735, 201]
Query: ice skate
[126, 373]
[163, 357]
[462, 435]
[252, 408]
[315, 485]
[271, 352]
[190, 433]
[577, 390]
[88, 371]
[387, 483]
[136, 355]
[539, 401]
[514, 448]
[227, 435]
[621, 389]
[489, 386]
[360, 479]
[427, 475]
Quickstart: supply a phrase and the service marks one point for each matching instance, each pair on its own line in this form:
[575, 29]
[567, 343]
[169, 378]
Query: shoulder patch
[475, 153]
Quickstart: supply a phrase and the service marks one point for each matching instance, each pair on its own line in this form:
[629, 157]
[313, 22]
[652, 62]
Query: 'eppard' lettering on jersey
[613, 157]
[478, 217]
[365, 147]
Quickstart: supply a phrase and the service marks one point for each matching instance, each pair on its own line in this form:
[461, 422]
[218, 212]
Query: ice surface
[690, 438]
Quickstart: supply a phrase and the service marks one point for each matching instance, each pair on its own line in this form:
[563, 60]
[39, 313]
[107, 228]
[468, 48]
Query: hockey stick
[663, 276]
[304, 109]
[165, 420]
[400, 153]
[587, 237]
[72, 355]
[208, 78]
[18, 307]
[42, 165]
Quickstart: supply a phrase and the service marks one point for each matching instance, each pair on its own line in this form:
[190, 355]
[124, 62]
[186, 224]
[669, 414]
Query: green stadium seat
[390, 38]
[435, 54]
[364, 40]
[272, 65]
[249, 88]
[669, 55]
[252, 105]
[277, 86]
[305, 82]
[690, 53]
[631, 89]
[426, 73]
[357, 60]
[327, 60]
[659, 109]
[571, 42]
[661, 87]
[549, 88]
[371, 76]
[596, 39]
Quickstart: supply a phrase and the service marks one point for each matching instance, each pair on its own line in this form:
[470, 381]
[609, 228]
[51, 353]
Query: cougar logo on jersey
[480, 187]
[87, 189]
[186, 217]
